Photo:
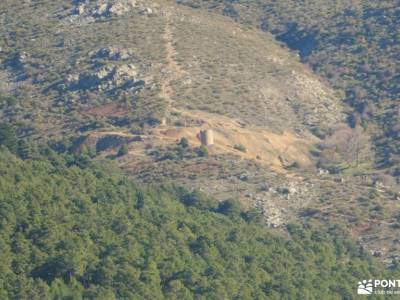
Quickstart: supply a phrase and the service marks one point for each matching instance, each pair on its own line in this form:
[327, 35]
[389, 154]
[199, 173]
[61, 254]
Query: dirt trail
[172, 70]
[266, 147]
[111, 133]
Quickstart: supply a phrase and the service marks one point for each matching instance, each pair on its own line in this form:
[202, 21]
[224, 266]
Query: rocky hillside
[136, 81]
[74, 69]
[352, 44]
[75, 55]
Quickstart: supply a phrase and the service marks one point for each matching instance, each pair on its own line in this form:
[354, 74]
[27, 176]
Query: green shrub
[240, 147]
[184, 142]
[8, 137]
[123, 150]
[202, 151]
[231, 207]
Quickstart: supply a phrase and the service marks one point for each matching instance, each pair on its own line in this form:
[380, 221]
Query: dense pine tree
[70, 230]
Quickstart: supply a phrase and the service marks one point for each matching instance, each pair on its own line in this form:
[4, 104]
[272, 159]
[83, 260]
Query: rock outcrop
[105, 8]
[87, 11]
[106, 79]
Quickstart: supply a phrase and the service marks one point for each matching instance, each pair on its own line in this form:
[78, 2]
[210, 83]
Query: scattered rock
[121, 7]
[187, 81]
[104, 8]
[292, 190]
[108, 79]
[379, 185]
[87, 11]
[23, 57]
[323, 172]
[146, 11]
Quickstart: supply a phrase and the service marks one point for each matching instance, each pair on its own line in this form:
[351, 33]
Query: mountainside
[77, 56]
[352, 44]
[134, 82]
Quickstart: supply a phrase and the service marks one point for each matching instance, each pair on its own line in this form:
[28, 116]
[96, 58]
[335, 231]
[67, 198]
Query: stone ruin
[207, 137]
